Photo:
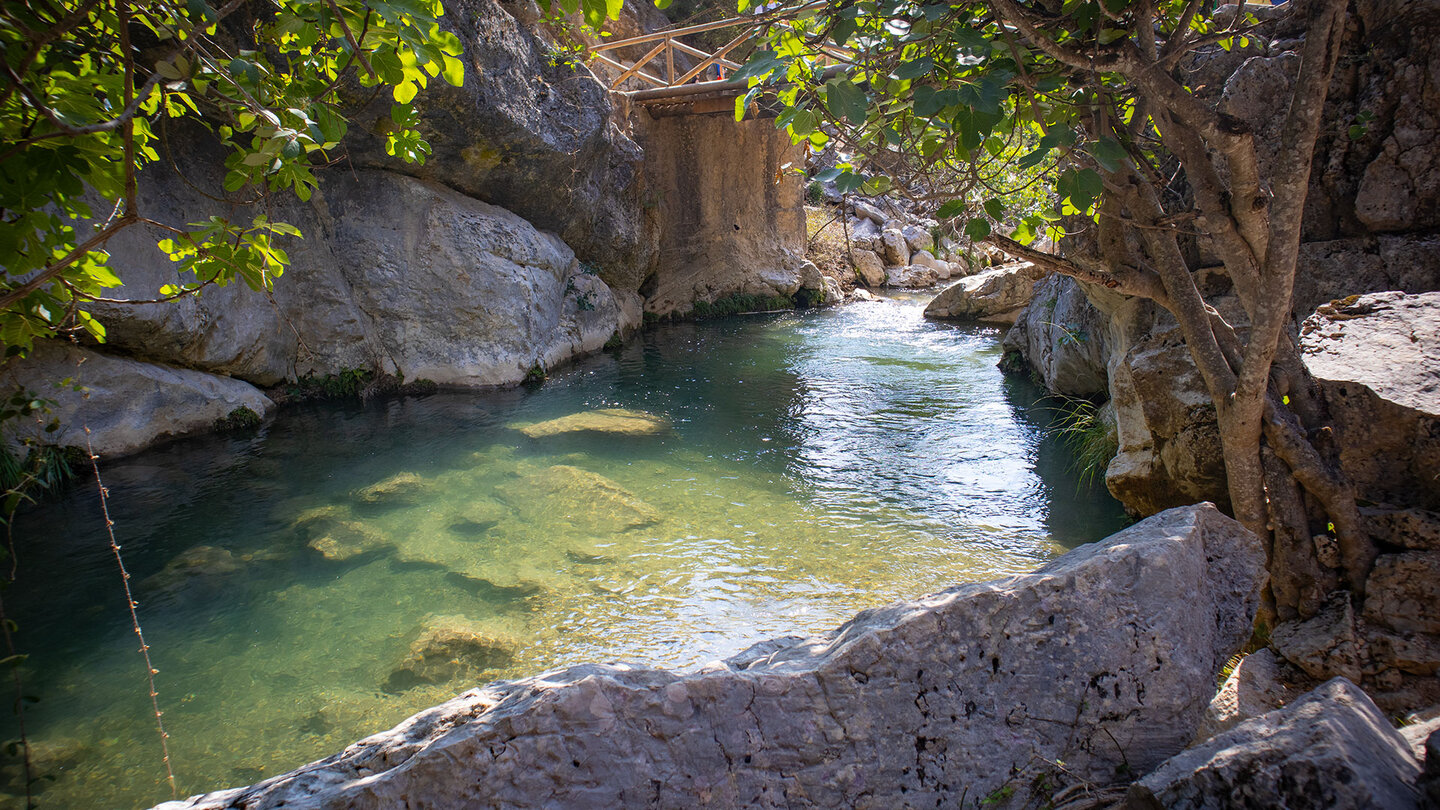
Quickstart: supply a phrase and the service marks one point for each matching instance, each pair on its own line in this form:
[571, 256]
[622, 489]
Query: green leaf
[914, 70]
[758, 65]
[404, 92]
[454, 71]
[977, 229]
[951, 209]
[994, 208]
[1109, 154]
[845, 99]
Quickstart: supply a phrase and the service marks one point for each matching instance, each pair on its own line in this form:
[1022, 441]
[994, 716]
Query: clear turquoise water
[817, 464]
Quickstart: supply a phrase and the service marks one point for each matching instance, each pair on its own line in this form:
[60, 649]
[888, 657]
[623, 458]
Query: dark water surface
[817, 464]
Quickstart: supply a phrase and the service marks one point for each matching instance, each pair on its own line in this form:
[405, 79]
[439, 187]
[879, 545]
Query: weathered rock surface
[1062, 337]
[1331, 748]
[917, 703]
[923, 258]
[994, 296]
[1429, 782]
[1426, 724]
[128, 404]
[869, 265]
[612, 421]
[1376, 359]
[896, 250]
[1325, 645]
[1169, 443]
[530, 134]
[725, 225]
[395, 275]
[1252, 689]
[911, 277]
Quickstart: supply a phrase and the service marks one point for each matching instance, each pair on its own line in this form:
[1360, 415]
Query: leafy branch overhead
[92, 89]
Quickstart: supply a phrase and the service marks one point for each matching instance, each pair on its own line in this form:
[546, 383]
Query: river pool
[805, 466]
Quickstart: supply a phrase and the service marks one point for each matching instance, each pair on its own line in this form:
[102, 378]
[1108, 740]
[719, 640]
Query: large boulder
[1332, 748]
[1063, 338]
[869, 266]
[127, 404]
[1103, 658]
[994, 296]
[394, 275]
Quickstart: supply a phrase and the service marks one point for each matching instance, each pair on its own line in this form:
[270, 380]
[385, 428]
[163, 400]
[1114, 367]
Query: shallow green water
[815, 464]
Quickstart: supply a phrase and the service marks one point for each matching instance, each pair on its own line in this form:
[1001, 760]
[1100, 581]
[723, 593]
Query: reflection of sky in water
[819, 464]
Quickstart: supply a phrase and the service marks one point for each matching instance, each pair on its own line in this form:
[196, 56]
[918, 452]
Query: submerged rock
[345, 539]
[587, 501]
[612, 421]
[1331, 748]
[333, 531]
[1100, 659]
[451, 647]
[194, 567]
[399, 489]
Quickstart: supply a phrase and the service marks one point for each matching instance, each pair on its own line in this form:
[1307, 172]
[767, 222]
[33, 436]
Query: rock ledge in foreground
[1106, 656]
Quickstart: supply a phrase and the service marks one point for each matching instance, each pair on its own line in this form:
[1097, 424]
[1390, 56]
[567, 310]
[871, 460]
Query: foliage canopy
[90, 91]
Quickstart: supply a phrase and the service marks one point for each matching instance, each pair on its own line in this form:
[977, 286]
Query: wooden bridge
[704, 83]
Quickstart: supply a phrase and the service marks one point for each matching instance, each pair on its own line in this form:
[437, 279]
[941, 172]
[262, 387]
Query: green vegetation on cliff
[92, 92]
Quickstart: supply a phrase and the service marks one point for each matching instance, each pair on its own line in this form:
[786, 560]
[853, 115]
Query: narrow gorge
[670, 448]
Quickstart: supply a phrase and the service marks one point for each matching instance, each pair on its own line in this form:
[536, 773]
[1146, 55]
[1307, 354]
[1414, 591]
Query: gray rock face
[917, 704]
[128, 404]
[870, 267]
[896, 249]
[394, 274]
[1376, 359]
[725, 225]
[1062, 336]
[1331, 748]
[923, 258]
[1169, 442]
[1389, 342]
[913, 277]
[994, 296]
[1252, 689]
[530, 136]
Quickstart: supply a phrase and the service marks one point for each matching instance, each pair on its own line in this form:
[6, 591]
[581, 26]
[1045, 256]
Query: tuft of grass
[1089, 436]
[45, 470]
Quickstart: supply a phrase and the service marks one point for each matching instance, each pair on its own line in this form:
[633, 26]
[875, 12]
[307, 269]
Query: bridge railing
[693, 80]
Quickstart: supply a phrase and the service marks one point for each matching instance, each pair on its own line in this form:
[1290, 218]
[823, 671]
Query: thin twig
[150, 669]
